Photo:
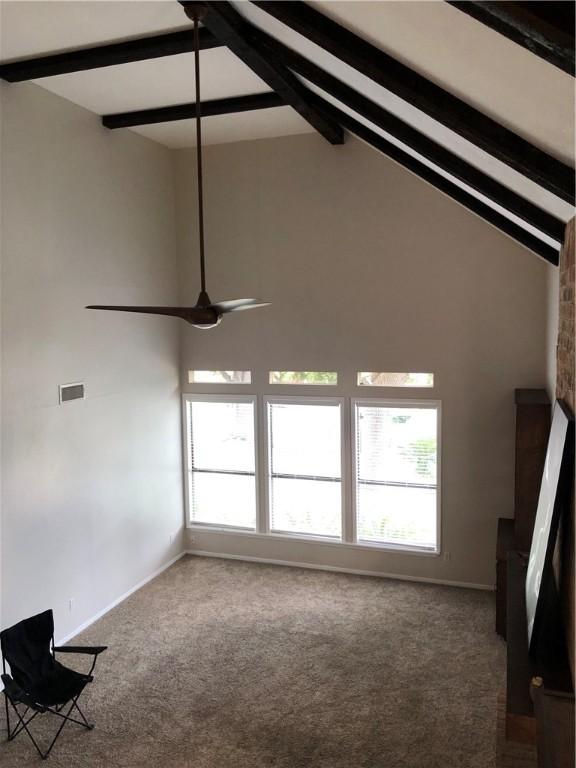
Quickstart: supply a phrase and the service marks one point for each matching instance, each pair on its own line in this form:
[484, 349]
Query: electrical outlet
[71, 604]
[447, 557]
[192, 540]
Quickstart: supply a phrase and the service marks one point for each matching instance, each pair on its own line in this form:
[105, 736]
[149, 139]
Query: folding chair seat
[59, 685]
[37, 680]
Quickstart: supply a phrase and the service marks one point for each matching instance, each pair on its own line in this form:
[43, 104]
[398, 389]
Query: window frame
[262, 529]
[396, 403]
[190, 397]
[267, 516]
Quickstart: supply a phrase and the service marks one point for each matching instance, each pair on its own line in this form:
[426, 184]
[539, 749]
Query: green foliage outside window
[303, 377]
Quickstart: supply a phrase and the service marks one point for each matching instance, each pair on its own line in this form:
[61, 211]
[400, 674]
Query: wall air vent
[71, 392]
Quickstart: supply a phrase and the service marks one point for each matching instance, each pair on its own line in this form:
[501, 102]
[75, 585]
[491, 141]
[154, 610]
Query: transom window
[304, 377]
[219, 377]
[383, 379]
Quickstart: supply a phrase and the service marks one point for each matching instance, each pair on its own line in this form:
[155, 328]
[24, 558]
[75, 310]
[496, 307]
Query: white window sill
[324, 541]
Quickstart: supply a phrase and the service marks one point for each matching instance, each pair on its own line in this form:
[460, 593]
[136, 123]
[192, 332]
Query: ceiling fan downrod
[204, 314]
[196, 12]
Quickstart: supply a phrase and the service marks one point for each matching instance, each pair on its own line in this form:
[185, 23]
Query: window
[219, 377]
[396, 473]
[303, 377]
[374, 379]
[221, 463]
[304, 466]
[390, 457]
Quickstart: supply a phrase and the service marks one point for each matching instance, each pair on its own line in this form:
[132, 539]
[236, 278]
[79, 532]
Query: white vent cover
[71, 392]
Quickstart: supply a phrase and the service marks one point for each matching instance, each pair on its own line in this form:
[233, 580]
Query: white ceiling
[156, 82]
[485, 69]
[36, 28]
[45, 26]
[497, 76]
[382, 16]
[223, 129]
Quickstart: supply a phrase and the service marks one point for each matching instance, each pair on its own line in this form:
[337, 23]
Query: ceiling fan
[205, 313]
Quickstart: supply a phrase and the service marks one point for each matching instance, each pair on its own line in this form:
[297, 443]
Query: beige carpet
[223, 664]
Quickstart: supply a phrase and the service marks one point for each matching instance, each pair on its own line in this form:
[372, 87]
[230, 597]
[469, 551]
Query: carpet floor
[224, 664]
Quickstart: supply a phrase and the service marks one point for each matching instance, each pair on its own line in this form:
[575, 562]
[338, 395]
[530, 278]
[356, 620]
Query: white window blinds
[304, 467]
[221, 463]
[395, 479]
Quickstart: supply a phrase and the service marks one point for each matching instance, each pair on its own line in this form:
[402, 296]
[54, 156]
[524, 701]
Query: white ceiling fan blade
[236, 305]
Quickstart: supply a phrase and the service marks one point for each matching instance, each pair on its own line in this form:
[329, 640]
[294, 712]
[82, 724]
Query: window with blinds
[396, 473]
[221, 461]
[305, 466]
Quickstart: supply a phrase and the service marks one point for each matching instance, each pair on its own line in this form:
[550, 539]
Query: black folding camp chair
[39, 682]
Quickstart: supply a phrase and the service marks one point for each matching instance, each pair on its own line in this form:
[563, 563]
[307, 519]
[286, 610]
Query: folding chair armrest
[86, 649]
[12, 689]
[16, 694]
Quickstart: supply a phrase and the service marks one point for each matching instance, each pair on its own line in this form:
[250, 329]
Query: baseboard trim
[104, 611]
[119, 600]
[337, 569]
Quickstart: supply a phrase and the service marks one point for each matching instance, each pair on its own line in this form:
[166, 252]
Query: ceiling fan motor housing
[203, 318]
[194, 11]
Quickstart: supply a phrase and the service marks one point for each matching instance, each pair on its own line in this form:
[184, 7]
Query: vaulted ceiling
[483, 108]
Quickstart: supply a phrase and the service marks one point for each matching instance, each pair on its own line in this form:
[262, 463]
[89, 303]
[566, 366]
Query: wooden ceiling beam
[452, 190]
[427, 148]
[226, 106]
[525, 28]
[228, 26]
[107, 55]
[455, 114]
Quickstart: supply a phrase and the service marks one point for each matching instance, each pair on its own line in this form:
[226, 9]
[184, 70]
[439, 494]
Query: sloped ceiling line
[469, 201]
[230, 28]
[520, 24]
[419, 142]
[333, 104]
[425, 95]
[269, 49]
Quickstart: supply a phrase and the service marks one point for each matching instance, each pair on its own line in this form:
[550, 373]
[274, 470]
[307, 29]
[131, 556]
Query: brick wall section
[565, 349]
[565, 364]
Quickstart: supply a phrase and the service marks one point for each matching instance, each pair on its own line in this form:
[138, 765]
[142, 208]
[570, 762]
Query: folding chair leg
[20, 728]
[13, 733]
[88, 725]
[7, 714]
[58, 713]
[59, 731]
[23, 725]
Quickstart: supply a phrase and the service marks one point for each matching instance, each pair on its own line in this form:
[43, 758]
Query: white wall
[369, 268]
[91, 489]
